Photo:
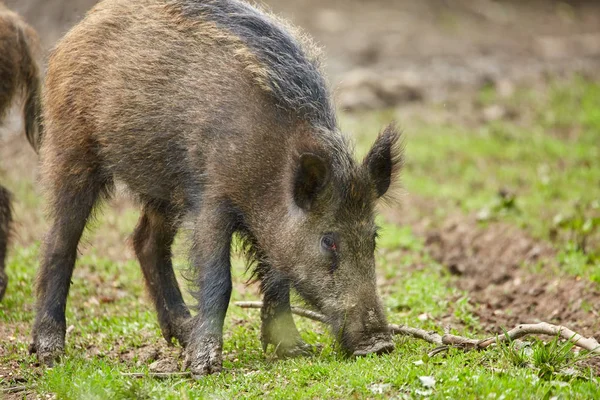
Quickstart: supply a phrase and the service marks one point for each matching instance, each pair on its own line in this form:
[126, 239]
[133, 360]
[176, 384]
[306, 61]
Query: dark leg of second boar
[73, 195]
[5, 221]
[152, 241]
[278, 327]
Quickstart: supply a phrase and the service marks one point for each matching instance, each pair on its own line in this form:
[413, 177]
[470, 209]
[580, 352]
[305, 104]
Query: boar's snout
[365, 331]
[377, 344]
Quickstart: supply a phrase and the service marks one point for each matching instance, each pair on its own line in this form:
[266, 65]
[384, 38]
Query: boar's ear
[310, 178]
[385, 159]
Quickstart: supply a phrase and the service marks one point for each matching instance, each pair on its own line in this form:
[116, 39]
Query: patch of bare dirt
[510, 277]
[165, 365]
[13, 381]
[491, 263]
[160, 356]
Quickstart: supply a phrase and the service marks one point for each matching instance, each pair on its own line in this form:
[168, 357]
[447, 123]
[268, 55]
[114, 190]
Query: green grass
[547, 166]
[102, 331]
[540, 172]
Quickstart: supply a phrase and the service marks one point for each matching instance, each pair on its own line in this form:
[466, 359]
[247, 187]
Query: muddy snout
[376, 344]
[366, 333]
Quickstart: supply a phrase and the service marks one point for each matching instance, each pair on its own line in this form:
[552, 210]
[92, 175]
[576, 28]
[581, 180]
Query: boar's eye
[328, 243]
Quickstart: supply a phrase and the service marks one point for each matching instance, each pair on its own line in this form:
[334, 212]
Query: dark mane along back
[288, 67]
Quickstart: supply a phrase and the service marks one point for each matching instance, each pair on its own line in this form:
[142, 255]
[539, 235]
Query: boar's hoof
[179, 329]
[298, 349]
[3, 284]
[374, 345]
[48, 340]
[204, 356]
[290, 346]
[48, 349]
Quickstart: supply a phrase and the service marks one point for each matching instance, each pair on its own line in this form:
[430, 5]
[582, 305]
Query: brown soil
[494, 264]
[511, 277]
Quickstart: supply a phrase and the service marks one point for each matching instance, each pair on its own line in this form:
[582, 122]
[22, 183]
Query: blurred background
[500, 104]
[382, 53]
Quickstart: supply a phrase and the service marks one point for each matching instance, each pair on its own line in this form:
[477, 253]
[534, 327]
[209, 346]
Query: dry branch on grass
[448, 340]
[157, 375]
[13, 389]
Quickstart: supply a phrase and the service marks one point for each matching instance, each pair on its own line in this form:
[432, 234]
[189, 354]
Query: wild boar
[215, 112]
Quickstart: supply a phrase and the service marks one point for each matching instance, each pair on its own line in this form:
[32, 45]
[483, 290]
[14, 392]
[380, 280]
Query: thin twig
[157, 375]
[303, 312]
[13, 389]
[544, 328]
[438, 350]
[448, 340]
[431, 337]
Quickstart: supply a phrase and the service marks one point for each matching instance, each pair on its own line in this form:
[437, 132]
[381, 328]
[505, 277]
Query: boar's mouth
[359, 343]
[377, 344]
[358, 332]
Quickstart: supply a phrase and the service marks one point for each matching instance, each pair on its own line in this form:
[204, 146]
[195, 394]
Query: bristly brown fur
[282, 60]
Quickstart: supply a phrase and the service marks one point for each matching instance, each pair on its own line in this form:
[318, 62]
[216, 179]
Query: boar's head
[326, 241]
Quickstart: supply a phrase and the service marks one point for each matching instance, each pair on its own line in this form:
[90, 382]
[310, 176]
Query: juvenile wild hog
[217, 112]
[19, 75]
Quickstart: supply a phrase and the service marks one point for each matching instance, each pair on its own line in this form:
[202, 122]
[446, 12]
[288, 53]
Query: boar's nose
[370, 333]
[377, 344]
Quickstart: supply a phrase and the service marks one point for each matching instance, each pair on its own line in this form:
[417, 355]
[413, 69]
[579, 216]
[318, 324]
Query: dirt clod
[164, 365]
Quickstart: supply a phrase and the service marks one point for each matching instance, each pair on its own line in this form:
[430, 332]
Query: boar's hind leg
[72, 198]
[278, 327]
[152, 241]
[5, 220]
[211, 258]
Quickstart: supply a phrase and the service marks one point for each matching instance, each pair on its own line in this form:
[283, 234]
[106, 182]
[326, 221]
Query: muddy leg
[152, 241]
[278, 327]
[73, 199]
[211, 259]
[5, 221]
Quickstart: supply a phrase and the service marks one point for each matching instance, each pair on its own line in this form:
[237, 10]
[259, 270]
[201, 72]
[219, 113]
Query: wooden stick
[431, 337]
[544, 328]
[446, 340]
[303, 312]
[13, 389]
[158, 375]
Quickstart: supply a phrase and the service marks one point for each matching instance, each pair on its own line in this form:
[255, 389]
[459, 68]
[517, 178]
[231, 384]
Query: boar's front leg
[152, 241]
[278, 327]
[210, 256]
[5, 220]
